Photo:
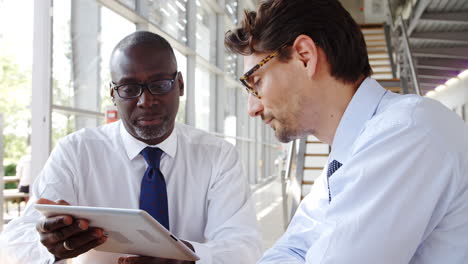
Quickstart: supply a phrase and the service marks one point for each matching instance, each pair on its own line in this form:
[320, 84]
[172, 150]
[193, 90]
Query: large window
[114, 28]
[182, 68]
[84, 35]
[171, 16]
[230, 63]
[203, 82]
[206, 32]
[16, 37]
[230, 118]
[231, 10]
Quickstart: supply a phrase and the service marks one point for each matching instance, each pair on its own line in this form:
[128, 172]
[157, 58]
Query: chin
[152, 132]
[285, 136]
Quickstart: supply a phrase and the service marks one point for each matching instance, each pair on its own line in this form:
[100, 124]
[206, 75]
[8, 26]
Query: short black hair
[147, 38]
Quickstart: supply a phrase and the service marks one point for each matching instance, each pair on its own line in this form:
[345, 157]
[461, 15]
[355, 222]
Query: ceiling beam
[454, 52]
[442, 37]
[442, 64]
[448, 17]
[419, 10]
[435, 82]
[436, 74]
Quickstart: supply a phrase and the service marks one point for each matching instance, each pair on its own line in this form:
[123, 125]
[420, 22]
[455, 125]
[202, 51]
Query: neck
[337, 99]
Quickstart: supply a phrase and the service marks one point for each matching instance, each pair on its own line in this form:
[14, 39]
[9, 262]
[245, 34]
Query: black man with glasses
[188, 180]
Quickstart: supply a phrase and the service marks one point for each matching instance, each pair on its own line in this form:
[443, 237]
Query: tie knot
[332, 167]
[152, 156]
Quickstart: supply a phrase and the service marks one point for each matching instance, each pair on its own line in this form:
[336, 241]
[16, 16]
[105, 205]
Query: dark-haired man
[191, 182]
[396, 186]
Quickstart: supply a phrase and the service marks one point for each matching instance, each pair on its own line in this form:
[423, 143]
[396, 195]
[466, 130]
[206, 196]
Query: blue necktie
[332, 167]
[153, 195]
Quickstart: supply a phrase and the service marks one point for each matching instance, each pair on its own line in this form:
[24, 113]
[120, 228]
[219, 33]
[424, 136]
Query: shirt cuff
[203, 252]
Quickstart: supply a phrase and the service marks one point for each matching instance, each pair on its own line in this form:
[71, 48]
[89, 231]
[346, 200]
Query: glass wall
[206, 32]
[85, 33]
[170, 16]
[203, 82]
[15, 78]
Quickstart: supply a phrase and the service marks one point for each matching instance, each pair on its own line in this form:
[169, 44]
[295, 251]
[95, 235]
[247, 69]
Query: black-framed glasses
[134, 90]
[245, 78]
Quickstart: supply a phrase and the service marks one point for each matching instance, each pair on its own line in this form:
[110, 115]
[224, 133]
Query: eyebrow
[152, 78]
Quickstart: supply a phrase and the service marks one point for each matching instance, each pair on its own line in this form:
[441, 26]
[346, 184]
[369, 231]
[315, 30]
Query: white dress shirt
[401, 195]
[208, 194]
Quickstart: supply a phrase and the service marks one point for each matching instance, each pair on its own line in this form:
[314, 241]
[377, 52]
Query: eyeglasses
[245, 78]
[134, 90]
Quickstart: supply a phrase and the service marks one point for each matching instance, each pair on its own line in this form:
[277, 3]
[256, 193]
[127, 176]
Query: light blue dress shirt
[401, 195]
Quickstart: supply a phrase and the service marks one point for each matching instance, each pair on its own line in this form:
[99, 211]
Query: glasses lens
[160, 87]
[129, 90]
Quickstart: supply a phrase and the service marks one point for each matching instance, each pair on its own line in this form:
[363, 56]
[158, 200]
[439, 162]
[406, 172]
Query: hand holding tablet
[66, 237]
[127, 231]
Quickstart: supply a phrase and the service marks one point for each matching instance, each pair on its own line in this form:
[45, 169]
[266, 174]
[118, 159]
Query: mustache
[149, 115]
[266, 117]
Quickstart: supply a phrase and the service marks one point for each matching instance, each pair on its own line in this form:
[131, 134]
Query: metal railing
[399, 30]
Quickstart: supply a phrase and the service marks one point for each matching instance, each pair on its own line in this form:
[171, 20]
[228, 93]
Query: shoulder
[198, 138]
[105, 134]
[416, 117]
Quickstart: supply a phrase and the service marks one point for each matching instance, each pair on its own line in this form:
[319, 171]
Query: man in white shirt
[208, 202]
[395, 189]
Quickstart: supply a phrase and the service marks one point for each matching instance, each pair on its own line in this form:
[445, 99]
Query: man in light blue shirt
[396, 186]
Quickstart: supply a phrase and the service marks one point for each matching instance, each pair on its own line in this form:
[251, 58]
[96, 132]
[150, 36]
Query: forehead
[141, 59]
[252, 60]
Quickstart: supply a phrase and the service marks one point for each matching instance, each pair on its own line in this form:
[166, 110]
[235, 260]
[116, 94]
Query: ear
[305, 49]
[180, 82]
[112, 94]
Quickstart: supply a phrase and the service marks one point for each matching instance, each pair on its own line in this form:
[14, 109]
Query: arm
[66, 237]
[385, 199]
[20, 241]
[231, 229]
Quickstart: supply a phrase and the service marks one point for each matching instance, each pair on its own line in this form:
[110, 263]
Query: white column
[191, 63]
[41, 86]
[219, 93]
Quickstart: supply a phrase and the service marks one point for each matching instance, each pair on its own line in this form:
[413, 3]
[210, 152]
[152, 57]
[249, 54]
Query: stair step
[314, 142]
[375, 41]
[377, 46]
[390, 82]
[378, 59]
[394, 89]
[381, 66]
[377, 52]
[313, 168]
[316, 155]
[307, 182]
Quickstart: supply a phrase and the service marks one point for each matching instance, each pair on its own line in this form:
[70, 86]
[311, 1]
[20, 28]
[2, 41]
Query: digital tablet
[129, 231]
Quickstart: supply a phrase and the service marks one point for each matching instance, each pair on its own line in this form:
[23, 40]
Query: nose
[254, 106]
[146, 99]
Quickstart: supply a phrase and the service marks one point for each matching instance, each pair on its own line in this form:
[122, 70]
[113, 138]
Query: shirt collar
[133, 146]
[361, 108]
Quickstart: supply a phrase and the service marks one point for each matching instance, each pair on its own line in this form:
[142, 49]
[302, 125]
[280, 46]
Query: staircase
[311, 155]
[379, 58]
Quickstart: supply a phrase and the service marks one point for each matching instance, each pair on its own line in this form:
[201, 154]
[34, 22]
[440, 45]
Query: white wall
[454, 96]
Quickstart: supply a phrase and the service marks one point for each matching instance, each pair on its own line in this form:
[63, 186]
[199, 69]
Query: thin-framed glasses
[134, 90]
[245, 78]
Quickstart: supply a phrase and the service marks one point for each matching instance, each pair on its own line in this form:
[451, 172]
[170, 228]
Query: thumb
[47, 201]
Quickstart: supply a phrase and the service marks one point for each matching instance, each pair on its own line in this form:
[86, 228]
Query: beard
[286, 134]
[152, 132]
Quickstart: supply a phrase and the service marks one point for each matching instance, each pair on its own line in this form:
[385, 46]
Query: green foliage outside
[15, 99]
[10, 170]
